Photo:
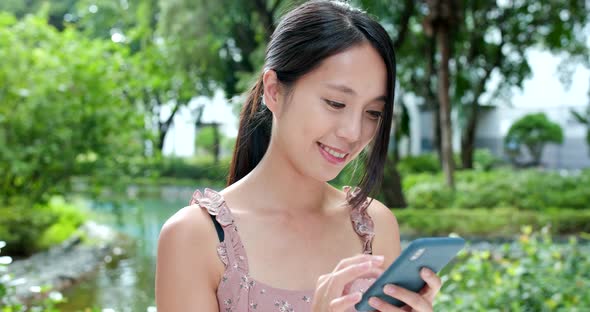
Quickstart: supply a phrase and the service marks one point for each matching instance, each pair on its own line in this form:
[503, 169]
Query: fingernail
[379, 258]
[426, 272]
[358, 296]
[389, 289]
[374, 302]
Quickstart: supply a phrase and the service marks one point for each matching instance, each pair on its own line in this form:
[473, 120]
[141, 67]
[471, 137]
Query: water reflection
[126, 283]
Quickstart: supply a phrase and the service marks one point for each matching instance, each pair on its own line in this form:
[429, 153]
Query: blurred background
[112, 112]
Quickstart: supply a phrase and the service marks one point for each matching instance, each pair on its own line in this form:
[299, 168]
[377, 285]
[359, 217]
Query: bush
[483, 160]
[195, 168]
[533, 131]
[532, 274]
[429, 195]
[425, 163]
[28, 229]
[68, 219]
[525, 189]
[488, 222]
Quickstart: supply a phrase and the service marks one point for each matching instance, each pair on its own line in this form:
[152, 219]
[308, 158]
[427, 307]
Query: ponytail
[253, 134]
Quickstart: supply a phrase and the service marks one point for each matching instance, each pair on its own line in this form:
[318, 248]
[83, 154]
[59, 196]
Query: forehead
[360, 68]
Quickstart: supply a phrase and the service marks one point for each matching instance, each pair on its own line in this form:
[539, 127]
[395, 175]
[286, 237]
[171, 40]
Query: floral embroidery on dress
[283, 306]
[222, 253]
[361, 221]
[247, 283]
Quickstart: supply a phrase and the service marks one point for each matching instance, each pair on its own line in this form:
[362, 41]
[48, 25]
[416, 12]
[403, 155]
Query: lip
[330, 158]
[334, 148]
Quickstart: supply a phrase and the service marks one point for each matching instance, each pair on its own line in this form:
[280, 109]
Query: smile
[332, 155]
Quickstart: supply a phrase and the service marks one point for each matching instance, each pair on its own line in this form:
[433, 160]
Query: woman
[325, 95]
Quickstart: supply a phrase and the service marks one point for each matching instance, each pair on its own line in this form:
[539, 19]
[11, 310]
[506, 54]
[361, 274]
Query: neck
[282, 188]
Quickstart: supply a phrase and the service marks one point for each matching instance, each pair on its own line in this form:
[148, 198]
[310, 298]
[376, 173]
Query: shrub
[425, 163]
[532, 274]
[484, 160]
[524, 189]
[489, 222]
[27, 229]
[533, 131]
[430, 196]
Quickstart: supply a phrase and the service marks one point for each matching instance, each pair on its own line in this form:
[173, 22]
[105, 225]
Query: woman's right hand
[331, 293]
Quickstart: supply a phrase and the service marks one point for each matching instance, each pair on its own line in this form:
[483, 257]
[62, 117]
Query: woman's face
[332, 112]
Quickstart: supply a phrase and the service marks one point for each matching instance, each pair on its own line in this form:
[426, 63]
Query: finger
[345, 302]
[339, 279]
[383, 306]
[412, 299]
[364, 282]
[358, 259]
[332, 282]
[433, 284]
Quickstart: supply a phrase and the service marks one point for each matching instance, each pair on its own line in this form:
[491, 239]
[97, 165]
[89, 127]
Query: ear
[272, 91]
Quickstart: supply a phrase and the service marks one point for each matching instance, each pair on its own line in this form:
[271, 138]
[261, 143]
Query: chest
[292, 254]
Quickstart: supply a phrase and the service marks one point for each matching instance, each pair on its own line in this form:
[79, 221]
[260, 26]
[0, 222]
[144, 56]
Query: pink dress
[237, 291]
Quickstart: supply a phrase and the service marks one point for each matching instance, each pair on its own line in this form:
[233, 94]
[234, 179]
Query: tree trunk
[161, 138]
[392, 191]
[468, 138]
[431, 99]
[436, 133]
[442, 35]
[392, 180]
[163, 127]
[216, 143]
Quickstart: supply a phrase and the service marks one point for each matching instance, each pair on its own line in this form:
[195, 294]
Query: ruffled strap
[214, 203]
[361, 220]
[231, 250]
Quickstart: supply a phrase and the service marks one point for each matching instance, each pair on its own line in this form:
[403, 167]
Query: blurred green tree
[534, 131]
[489, 53]
[161, 86]
[62, 109]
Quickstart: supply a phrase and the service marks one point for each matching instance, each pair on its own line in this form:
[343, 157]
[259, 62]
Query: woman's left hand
[418, 302]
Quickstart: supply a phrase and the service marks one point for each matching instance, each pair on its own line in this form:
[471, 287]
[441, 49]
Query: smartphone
[431, 252]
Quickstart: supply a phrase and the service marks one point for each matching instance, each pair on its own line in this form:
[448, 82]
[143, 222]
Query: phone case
[431, 252]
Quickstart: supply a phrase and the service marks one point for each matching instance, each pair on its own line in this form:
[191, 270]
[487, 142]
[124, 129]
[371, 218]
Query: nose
[350, 127]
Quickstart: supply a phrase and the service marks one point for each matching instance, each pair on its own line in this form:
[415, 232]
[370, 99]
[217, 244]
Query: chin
[326, 176]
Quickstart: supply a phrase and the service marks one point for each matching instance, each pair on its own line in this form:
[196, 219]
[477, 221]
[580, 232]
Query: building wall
[494, 124]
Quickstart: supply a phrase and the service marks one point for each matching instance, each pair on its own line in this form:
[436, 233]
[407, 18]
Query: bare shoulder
[386, 241]
[187, 269]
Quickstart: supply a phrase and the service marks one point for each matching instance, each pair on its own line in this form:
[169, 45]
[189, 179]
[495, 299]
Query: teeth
[333, 152]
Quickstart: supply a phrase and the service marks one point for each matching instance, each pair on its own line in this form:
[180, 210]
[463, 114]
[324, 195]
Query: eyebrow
[348, 90]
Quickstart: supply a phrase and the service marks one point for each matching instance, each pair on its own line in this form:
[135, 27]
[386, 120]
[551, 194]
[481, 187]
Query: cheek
[370, 129]
[308, 120]
[300, 127]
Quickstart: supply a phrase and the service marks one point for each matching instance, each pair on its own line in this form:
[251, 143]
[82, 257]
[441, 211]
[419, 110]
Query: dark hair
[303, 39]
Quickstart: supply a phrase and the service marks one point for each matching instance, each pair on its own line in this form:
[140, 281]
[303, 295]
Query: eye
[334, 104]
[375, 114]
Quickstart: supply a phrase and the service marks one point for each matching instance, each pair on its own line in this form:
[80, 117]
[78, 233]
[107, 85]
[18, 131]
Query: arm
[386, 241]
[187, 265]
